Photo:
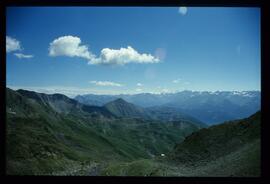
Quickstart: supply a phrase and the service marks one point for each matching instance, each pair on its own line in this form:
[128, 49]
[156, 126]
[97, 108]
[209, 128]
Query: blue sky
[110, 50]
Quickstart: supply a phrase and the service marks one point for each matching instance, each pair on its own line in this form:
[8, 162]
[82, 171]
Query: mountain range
[50, 133]
[121, 108]
[57, 135]
[209, 107]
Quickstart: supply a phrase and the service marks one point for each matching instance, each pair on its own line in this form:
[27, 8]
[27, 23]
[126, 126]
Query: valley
[56, 135]
[167, 90]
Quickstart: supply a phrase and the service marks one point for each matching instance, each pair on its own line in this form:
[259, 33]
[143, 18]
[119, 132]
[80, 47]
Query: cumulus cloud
[12, 44]
[106, 83]
[22, 56]
[177, 80]
[122, 56]
[139, 84]
[182, 10]
[69, 46]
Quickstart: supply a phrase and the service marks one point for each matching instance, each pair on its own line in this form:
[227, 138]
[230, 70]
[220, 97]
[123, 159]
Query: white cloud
[138, 90]
[165, 90]
[69, 46]
[177, 80]
[122, 56]
[106, 83]
[22, 56]
[182, 10]
[139, 84]
[12, 44]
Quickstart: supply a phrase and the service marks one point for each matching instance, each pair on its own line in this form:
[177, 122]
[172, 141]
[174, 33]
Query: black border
[245, 3]
[147, 3]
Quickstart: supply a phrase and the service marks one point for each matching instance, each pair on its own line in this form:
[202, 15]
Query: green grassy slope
[45, 138]
[42, 141]
[229, 149]
[215, 141]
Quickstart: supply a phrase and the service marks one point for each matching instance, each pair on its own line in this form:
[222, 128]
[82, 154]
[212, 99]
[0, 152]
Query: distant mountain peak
[120, 100]
[122, 108]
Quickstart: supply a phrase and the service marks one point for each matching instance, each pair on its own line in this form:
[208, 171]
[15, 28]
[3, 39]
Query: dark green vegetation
[55, 135]
[229, 149]
[52, 134]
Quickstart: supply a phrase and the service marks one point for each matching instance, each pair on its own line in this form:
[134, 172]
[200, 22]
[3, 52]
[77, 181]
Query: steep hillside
[229, 148]
[62, 104]
[43, 138]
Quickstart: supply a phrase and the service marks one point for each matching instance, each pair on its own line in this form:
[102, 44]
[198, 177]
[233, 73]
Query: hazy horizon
[73, 92]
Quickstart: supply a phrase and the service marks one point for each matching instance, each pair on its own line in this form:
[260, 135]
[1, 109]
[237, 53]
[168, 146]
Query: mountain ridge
[62, 104]
[230, 149]
[41, 140]
[209, 107]
[121, 108]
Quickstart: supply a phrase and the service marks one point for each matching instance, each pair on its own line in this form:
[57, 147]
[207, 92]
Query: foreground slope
[232, 148]
[229, 149]
[52, 134]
